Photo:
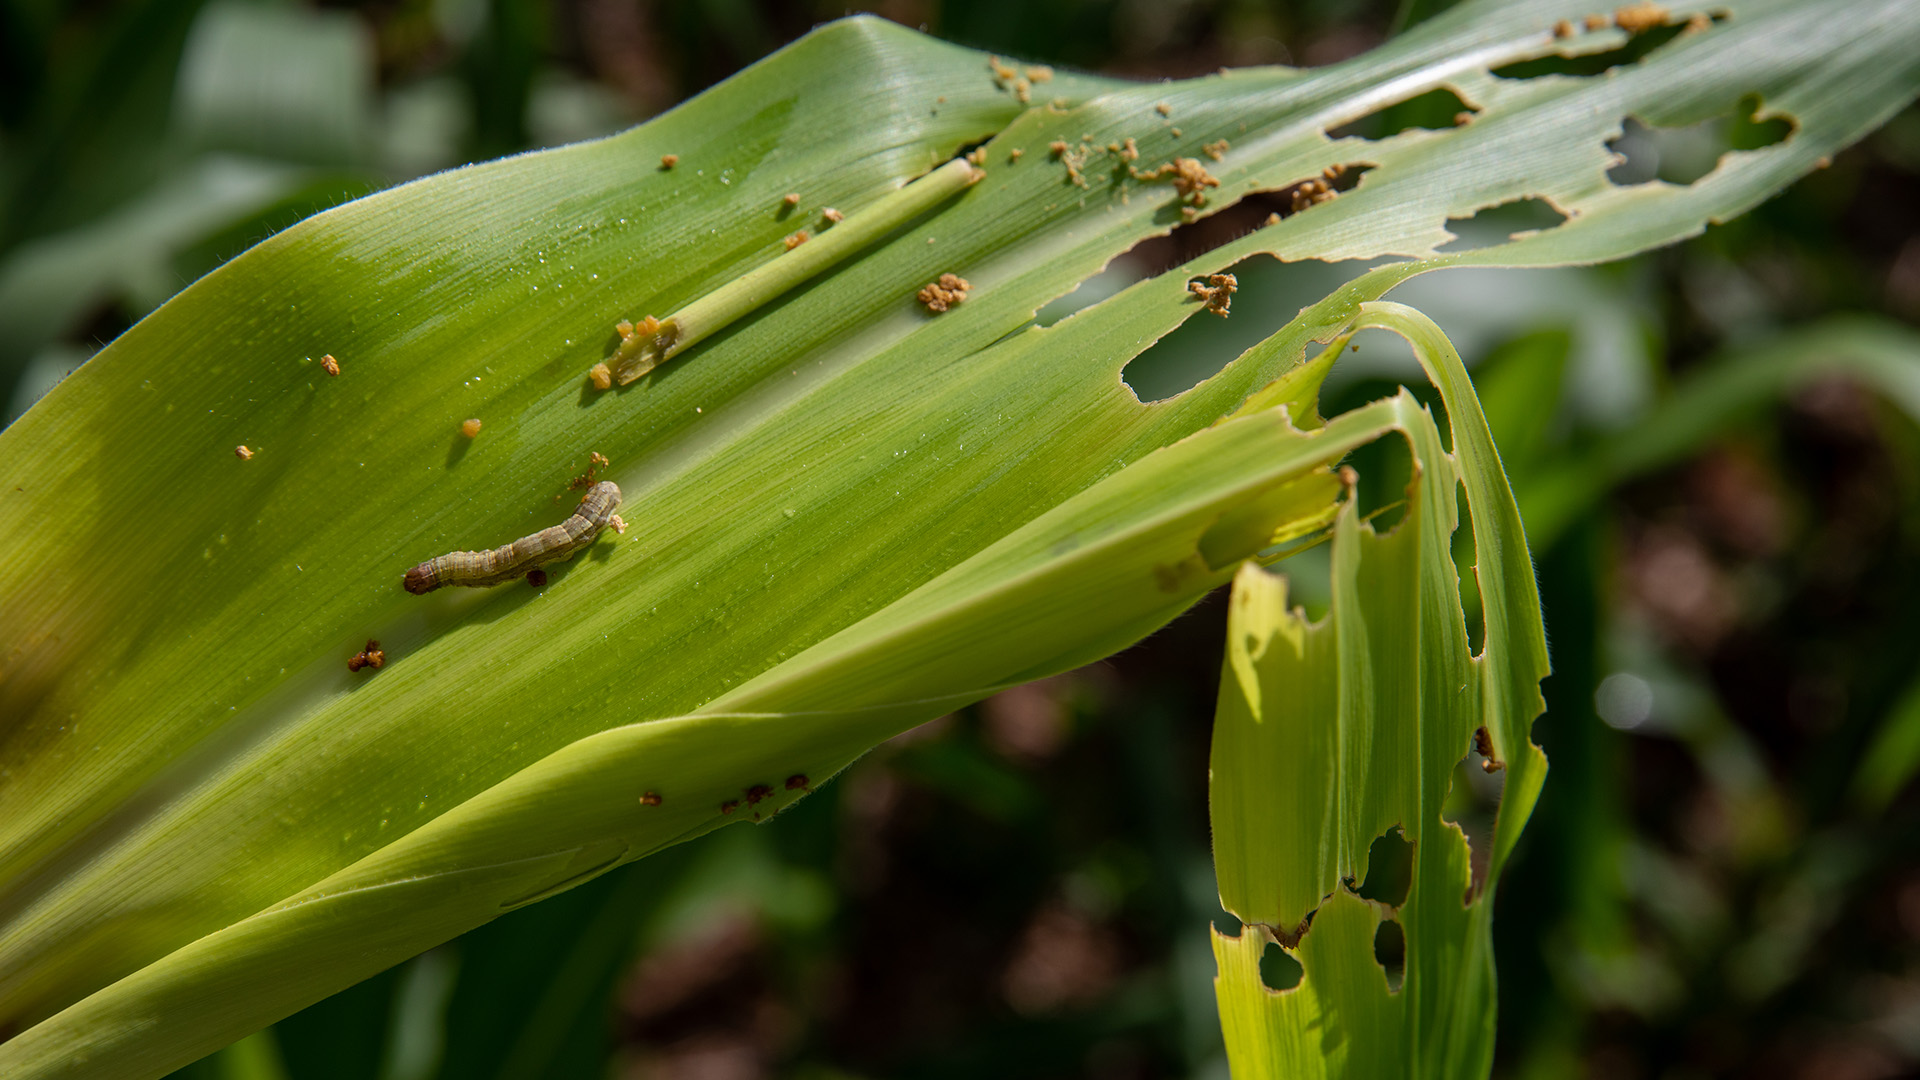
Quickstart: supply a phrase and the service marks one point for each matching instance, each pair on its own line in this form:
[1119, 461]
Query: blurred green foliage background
[1719, 881]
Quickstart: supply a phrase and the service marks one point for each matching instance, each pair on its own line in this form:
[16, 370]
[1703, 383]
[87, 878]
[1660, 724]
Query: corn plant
[241, 767]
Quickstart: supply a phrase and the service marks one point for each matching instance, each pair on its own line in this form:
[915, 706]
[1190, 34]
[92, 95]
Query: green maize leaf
[1331, 735]
[1129, 545]
[199, 804]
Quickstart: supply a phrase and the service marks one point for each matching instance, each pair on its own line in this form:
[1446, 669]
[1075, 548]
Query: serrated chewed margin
[1329, 735]
[221, 765]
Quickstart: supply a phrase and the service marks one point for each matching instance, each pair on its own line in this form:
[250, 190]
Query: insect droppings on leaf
[1190, 178]
[833, 216]
[668, 161]
[729, 806]
[1072, 159]
[1216, 150]
[796, 239]
[242, 452]
[370, 657]
[1595, 22]
[1040, 73]
[601, 376]
[758, 792]
[791, 199]
[1563, 29]
[1013, 155]
[470, 427]
[1316, 191]
[595, 462]
[537, 578]
[945, 293]
[1641, 17]
[1483, 745]
[1163, 109]
[1217, 292]
[650, 799]
[798, 782]
[329, 365]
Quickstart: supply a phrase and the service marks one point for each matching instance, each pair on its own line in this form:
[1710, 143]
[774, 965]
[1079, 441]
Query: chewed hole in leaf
[1309, 575]
[1684, 155]
[1279, 971]
[1466, 564]
[1117, 275]
[966, 148]
[1473, 805]
[1499, 224]
[1270, 293]
[1390, 952]
[1386, 472]
[1586, 65]
[1389, 875]
[1306, 194]
[1191, 240]
[1435, 110]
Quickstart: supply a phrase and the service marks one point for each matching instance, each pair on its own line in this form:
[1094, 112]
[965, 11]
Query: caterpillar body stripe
[510, 562]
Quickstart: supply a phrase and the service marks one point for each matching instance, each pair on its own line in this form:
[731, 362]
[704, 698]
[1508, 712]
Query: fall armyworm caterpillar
[512, 561]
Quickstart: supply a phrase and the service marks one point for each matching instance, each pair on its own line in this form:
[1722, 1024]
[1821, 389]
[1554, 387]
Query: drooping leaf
[1330, 736]
[192, 772]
